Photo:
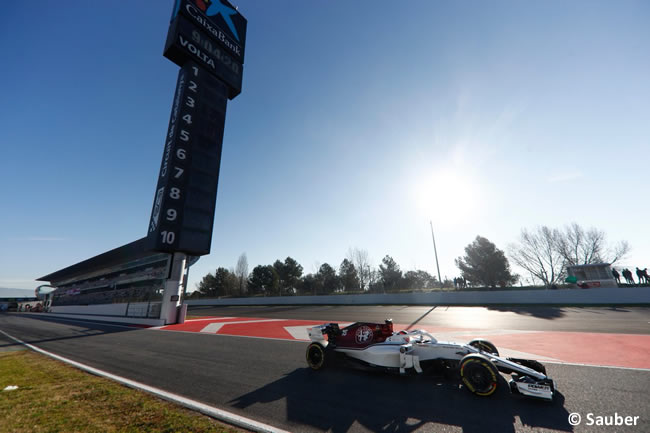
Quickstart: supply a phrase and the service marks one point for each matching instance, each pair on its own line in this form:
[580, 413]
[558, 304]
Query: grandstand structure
[10, 299]
[131, 284]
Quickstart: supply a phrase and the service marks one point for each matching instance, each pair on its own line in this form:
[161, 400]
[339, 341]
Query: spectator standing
[616, 275]
[640, 275]
[627, 274]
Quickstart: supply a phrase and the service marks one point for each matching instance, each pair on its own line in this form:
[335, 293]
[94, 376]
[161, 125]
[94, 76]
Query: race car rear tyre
[479, 375]
[484, 346]
[316, 356]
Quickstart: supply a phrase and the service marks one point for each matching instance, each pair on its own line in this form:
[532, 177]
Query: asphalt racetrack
[267, 379]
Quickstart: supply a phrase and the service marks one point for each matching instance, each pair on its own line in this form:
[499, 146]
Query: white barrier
[95, 318]
[602, 296]
[133, 313]
[102, 309]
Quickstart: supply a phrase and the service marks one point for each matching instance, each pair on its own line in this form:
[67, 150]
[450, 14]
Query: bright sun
[447, 196]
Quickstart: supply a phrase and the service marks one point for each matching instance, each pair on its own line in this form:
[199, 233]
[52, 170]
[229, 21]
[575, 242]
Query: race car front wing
[530, 387]
[524, 380]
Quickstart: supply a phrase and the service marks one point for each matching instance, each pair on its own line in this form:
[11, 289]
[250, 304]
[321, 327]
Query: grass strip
[55, 397]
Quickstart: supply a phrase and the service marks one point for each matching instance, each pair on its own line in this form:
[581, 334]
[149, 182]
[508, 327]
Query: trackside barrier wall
[134, 312]
[131, 309]
[97, 318]
[609, 296]
[102, 309]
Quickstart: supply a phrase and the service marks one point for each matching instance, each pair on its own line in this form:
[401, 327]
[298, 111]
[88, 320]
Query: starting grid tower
[145, 278]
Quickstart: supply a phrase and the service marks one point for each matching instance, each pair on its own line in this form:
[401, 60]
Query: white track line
[298, 332]
[220, 414]
[288, 340]
[216, 326]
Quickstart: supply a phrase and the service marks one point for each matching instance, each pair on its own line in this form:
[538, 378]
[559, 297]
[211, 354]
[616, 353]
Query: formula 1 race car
[376, 346]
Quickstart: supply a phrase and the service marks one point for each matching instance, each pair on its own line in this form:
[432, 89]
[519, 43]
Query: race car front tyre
[484, 346]
[479, 375]
[316, 356]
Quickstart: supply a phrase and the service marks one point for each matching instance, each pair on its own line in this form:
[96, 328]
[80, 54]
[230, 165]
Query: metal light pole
[435, 250]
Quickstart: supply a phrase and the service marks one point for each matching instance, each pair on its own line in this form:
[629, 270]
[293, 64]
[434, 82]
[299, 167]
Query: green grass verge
[55, 397]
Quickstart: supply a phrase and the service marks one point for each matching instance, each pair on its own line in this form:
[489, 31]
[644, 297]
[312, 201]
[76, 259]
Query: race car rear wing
[318, 333]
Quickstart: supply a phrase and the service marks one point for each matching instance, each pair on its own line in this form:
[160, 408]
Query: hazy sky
[358, 123]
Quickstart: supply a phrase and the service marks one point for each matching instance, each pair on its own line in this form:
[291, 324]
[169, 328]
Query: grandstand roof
[6, 293]
[126, 253]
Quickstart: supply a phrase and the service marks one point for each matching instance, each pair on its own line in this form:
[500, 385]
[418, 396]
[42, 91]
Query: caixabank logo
[219, 19]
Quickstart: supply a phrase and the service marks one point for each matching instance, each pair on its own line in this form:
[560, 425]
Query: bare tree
[545, 252]
[538, 254]
[359, 259]
[583, 247]
[374, 280]
[241, 271]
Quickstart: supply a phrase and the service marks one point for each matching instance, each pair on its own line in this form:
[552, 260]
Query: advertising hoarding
[219, 19]
[186, 42]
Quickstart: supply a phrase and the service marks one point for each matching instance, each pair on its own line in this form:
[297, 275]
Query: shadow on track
[82, 330]
[619, 309]
[337, 399]
[533, 311]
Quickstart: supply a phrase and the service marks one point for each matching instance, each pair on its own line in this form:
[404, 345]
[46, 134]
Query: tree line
[542, 252]
[286, 277]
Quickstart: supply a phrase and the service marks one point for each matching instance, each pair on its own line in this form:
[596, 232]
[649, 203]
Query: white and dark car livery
[377, 346]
